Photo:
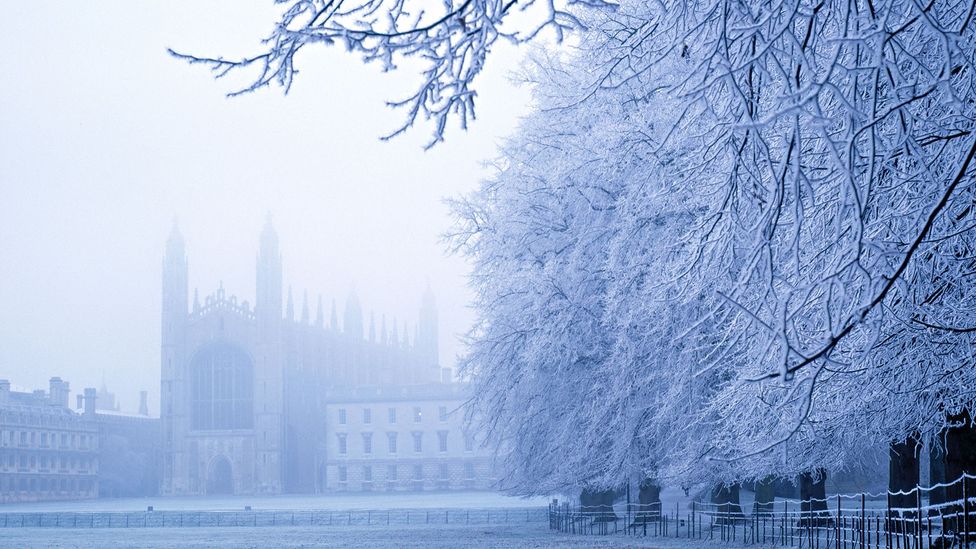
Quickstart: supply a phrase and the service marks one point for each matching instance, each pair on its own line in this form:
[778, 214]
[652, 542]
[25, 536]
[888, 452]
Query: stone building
[402, 438]
[128, 449]
[47, 451]
[243, 389]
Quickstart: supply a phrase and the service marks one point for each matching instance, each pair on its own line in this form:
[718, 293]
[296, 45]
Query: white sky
[104, 139]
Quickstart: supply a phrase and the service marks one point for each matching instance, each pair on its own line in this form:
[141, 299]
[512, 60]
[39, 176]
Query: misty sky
[104, 139]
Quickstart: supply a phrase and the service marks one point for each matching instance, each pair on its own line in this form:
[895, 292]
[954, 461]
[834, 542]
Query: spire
[267, 305]
[372, 327]
[334, 318]
[175, 248]
[352, 322]
[269, 237]
[319, 315]
[305, 307]
[290, 310]
[175, 286]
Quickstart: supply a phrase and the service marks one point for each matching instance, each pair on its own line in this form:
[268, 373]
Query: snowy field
[509, 536]
[342, 502]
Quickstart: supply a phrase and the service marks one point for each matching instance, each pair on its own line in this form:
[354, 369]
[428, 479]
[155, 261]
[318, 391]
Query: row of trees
[734, 241]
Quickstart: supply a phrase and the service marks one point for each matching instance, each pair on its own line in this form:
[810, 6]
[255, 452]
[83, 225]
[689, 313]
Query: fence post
[918, 509]
[838, 521]
[863, 518]
[965, 511]
[888, 521]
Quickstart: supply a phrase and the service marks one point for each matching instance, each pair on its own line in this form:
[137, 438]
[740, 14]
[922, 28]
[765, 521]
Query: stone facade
[402, 439]
[47, 451]
[243, 388]
[50, 452]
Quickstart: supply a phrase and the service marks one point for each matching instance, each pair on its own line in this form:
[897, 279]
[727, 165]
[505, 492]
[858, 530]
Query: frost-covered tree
[450, 39]
[538, 234]
[848, 132]
[819, 165]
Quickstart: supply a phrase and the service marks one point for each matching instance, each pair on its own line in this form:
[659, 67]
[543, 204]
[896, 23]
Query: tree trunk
[598, 504]
[960, 458]
[813, 499]
[903, 476]
[648, 502]
[765, 495]
[726, 499]
[937, 472]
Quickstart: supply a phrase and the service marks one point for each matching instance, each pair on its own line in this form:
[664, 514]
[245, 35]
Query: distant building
[246, 391]
[47, 451]
[50, 452]
[402, 438]
[106, 400]
[128, 450]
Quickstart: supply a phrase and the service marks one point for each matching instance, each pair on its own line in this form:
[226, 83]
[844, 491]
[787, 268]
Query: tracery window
[222, 388]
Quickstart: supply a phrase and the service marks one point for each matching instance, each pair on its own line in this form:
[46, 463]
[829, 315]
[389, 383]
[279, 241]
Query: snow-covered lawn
[513, 534]
[339, 502]
[509, 536]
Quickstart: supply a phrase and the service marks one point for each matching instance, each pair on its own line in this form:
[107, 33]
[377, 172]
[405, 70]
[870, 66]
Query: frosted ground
[508, 535]
[343, 502]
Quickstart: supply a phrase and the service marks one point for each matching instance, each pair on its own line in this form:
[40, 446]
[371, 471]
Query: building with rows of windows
[403, 438]
[47, 451]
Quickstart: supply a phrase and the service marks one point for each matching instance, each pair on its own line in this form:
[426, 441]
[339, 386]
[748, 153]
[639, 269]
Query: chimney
[143, 403]
[4, 391]
[58, 392]
[89, 401]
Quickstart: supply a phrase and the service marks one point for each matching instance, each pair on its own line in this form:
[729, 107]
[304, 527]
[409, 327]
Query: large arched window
[222, 388]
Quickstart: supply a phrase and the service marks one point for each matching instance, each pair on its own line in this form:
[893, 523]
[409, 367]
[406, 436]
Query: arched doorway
[219, 479]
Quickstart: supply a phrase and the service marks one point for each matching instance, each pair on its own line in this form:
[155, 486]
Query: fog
[105, 140]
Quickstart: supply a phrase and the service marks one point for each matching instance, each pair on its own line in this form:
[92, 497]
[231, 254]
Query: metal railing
[849, 521]
[261, 517]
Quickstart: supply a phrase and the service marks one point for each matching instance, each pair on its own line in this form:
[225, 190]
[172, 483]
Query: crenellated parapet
[220, 302]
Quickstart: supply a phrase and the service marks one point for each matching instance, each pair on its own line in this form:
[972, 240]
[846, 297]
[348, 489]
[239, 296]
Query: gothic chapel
[242, 387]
